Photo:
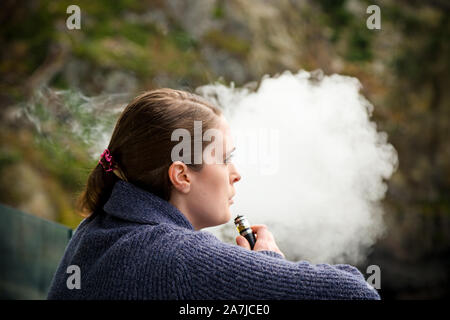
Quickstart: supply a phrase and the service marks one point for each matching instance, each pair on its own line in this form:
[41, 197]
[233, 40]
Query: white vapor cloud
[318, 181]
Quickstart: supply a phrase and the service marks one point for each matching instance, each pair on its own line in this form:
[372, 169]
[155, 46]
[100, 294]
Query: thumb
[242, 242]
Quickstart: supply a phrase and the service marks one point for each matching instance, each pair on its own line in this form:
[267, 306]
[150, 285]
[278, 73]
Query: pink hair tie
[108, 158]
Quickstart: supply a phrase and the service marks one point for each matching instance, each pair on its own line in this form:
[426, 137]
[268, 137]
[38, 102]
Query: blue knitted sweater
[143, 247]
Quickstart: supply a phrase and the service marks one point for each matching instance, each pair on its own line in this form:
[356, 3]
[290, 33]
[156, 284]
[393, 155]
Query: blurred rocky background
[127, 46]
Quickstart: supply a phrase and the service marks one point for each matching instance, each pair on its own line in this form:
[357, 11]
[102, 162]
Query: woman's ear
[180, 176]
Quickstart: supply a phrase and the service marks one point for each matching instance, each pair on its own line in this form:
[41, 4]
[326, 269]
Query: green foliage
[9, 157]
[182, 39]
[227, 42]
[359, 48]
[219, 10]
[61, 163]
[336, 16]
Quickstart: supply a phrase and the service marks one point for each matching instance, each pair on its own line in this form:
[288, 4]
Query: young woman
[142, 238]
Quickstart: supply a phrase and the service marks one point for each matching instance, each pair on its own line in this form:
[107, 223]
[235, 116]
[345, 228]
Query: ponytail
[98, 190]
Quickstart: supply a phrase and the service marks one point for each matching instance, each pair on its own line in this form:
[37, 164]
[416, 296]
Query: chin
[224, 218]
[228, 215]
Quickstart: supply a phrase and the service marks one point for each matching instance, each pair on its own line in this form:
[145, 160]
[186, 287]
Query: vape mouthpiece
[243, 227]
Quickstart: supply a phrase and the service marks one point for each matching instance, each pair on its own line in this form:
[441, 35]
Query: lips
[230, 200]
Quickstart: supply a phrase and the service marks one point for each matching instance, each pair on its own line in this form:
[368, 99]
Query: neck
[181, 205]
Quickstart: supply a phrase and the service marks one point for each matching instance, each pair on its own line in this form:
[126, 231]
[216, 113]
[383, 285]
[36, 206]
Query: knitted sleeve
[207, 268]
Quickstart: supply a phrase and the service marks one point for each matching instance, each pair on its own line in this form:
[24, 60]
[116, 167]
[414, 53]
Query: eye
[228, 160]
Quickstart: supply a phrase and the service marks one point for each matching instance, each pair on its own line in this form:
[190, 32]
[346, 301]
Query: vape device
[243, 227]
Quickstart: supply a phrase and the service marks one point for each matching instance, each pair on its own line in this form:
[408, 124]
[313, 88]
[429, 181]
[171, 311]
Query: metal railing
[30, 251]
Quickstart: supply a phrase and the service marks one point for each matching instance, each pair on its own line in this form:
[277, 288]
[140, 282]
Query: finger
[257, 227]
[260, 230]
[242, 242]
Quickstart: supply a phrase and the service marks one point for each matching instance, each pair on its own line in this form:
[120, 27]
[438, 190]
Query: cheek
[211, 195]
[215, 182]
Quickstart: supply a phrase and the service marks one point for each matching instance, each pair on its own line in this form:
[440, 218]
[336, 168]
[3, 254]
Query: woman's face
[208, 201]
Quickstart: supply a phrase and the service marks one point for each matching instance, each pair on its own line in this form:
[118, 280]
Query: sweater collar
[132, 203]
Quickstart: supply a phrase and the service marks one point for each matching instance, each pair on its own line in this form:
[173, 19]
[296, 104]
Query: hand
[264, 240]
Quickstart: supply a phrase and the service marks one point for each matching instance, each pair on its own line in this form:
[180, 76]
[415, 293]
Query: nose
[234, 176]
